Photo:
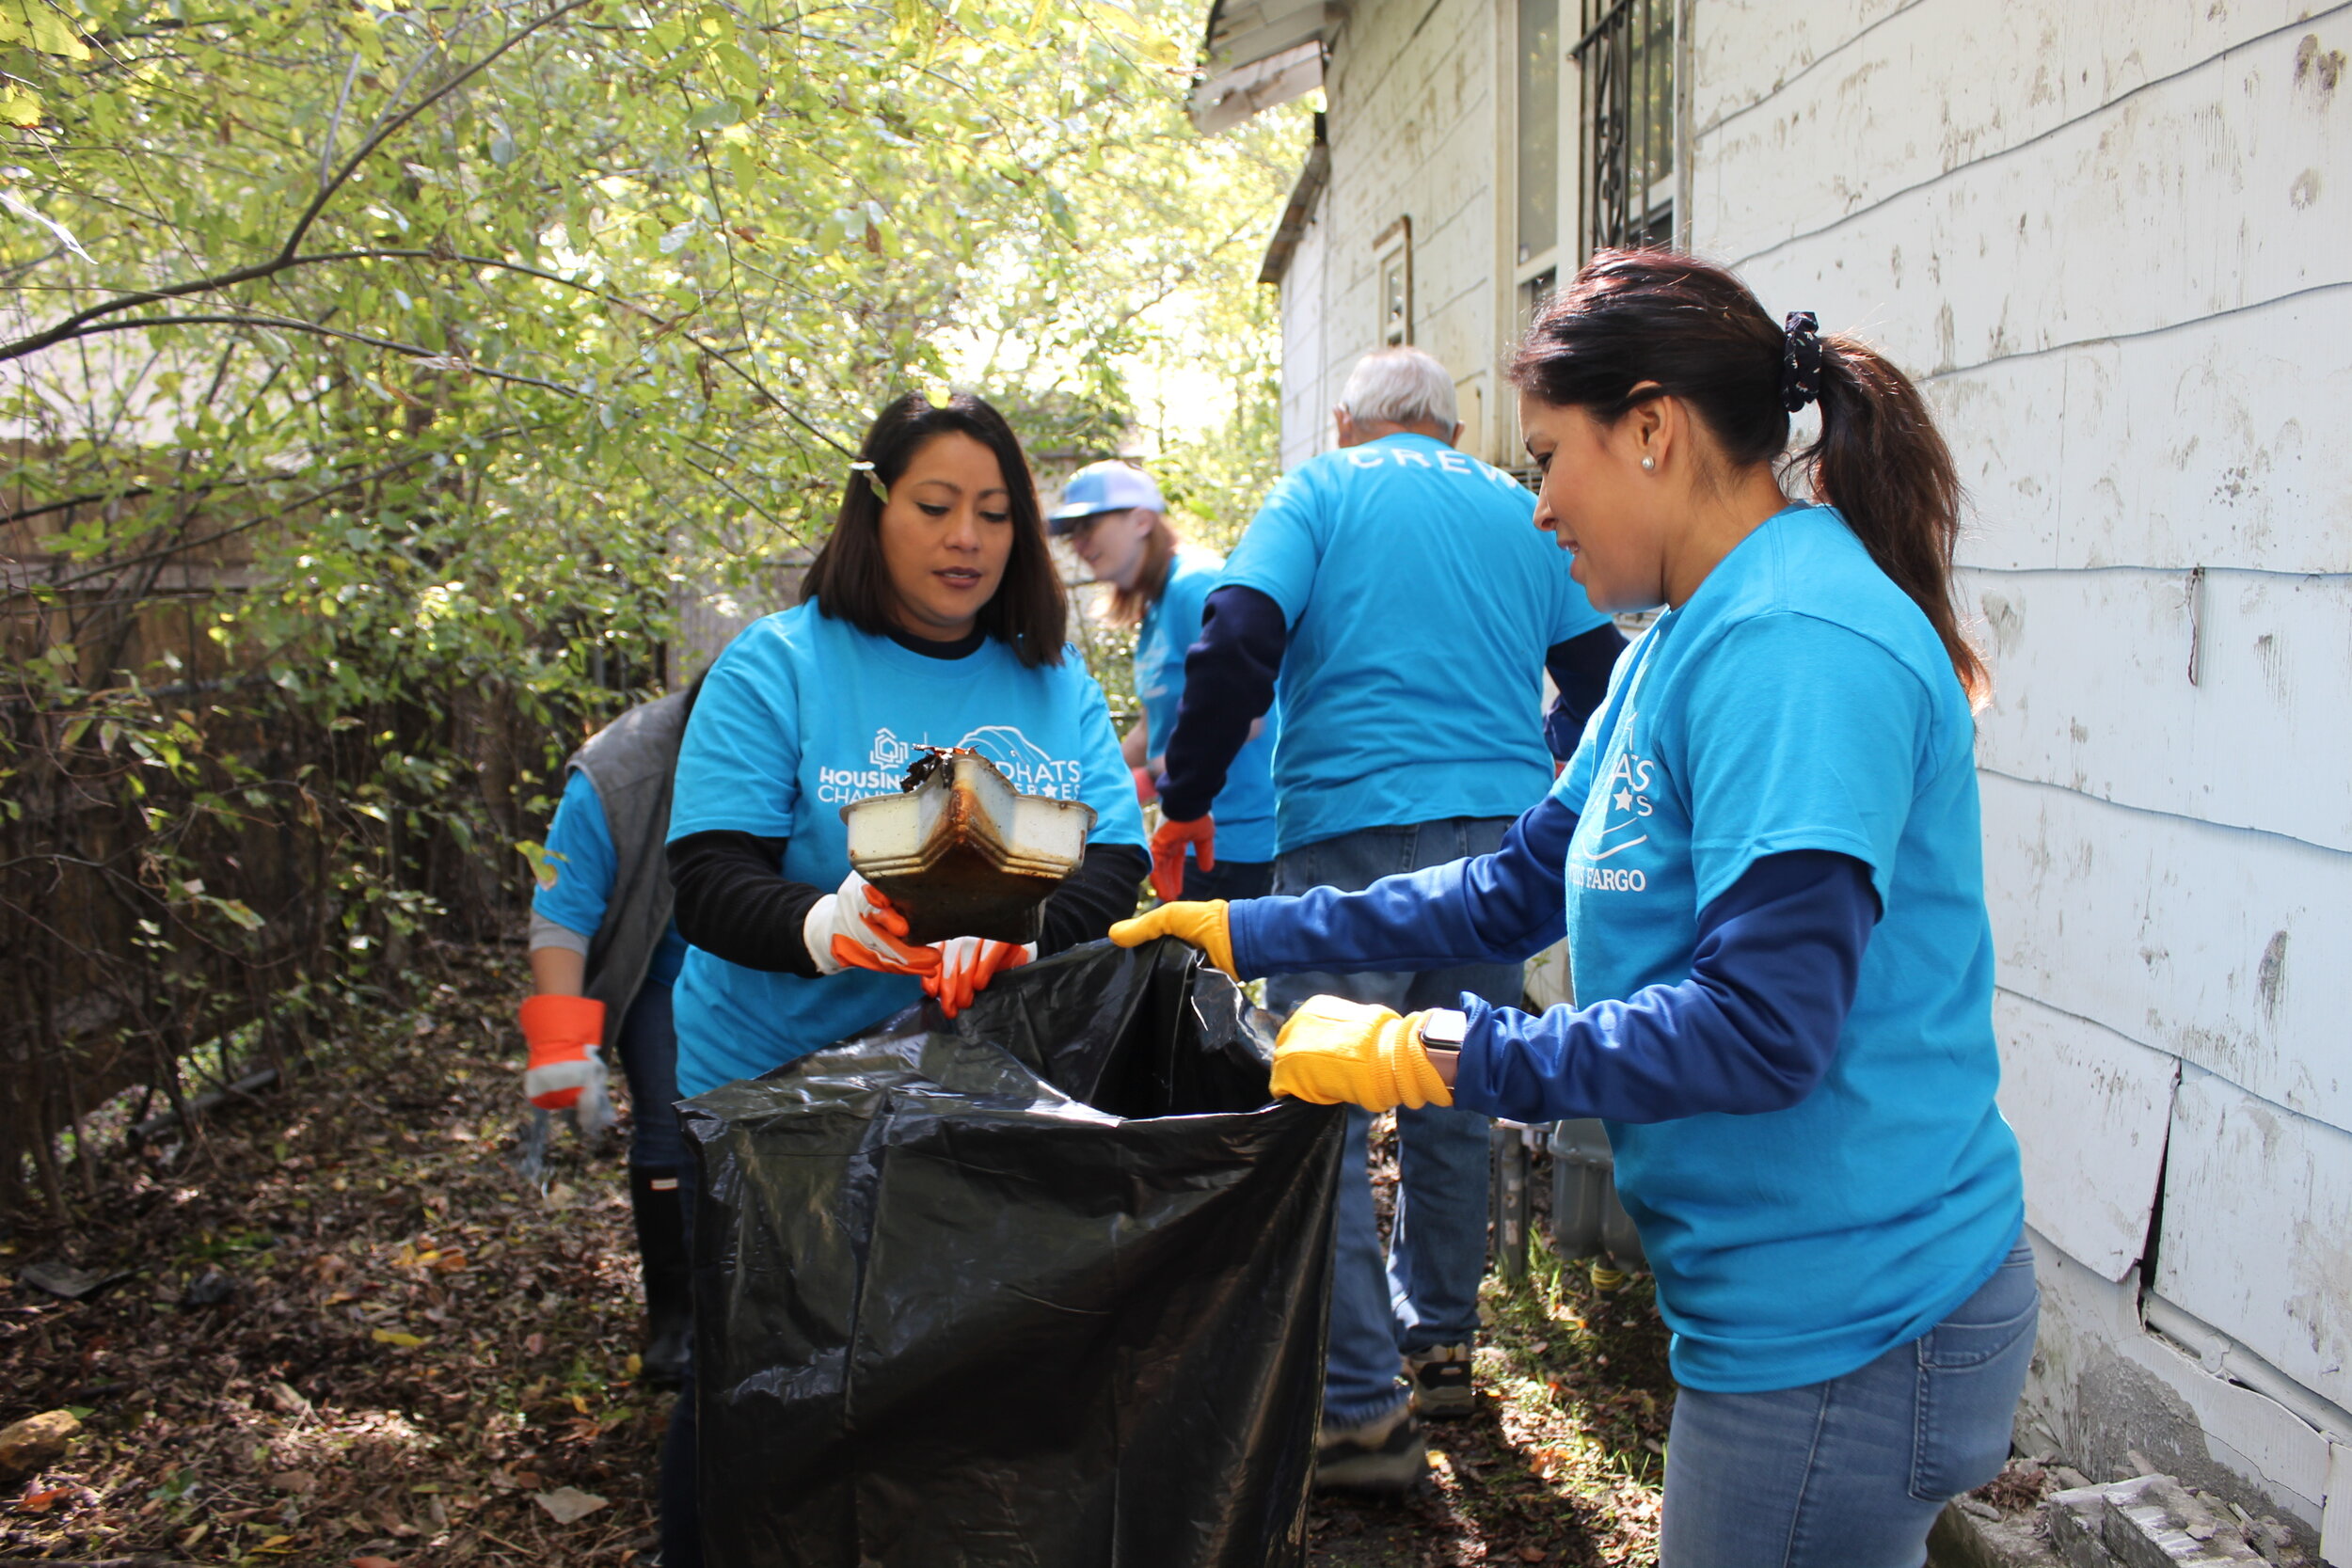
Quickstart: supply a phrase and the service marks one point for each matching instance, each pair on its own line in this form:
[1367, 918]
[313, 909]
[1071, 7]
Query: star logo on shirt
[1624, 799]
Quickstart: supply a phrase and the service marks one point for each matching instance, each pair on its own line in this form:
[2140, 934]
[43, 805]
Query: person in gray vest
[604, 954]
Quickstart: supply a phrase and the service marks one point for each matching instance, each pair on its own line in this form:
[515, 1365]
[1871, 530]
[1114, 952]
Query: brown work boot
[1387, 1453]
[1440, 1376]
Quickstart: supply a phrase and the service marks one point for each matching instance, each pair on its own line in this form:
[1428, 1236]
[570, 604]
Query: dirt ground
[340, 1327]
[1564, 1459]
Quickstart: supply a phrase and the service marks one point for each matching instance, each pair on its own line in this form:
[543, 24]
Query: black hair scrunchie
[1800, 361]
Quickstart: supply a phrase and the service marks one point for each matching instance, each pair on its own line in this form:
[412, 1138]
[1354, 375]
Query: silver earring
[1649, 465]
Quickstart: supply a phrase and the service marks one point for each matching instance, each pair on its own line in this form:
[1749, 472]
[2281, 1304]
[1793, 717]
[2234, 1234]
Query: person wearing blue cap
[1117, 524]
[1398, 593]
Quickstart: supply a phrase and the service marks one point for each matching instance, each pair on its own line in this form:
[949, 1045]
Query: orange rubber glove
[857, 927]
[1204, 925]
[565, 1069]
[1334, 1051]
[967, 964]
[1146, 792]
[1168, 854]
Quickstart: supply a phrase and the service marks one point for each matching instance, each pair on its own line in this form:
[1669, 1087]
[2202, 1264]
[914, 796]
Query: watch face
[1444, 1030]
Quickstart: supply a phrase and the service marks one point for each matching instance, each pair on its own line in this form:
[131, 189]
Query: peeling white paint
[2157, 928]
[2090, 692]
[2209, 445]
[2091, 1110]
[2257, 1215]
[2171, 207]
[2003, 75]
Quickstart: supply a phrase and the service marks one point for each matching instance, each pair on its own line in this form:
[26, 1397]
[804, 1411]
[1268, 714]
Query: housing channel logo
[1032, 770]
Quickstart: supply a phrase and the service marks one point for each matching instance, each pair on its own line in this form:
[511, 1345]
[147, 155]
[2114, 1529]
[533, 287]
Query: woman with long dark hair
[1766, 858]
[931, 616]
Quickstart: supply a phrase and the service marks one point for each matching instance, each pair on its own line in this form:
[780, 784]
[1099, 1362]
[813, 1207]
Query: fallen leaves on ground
[340, 1330]
[350, 1332]
[568, 1503]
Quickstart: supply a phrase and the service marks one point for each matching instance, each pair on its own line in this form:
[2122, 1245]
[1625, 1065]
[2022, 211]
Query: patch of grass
[1564, 1458]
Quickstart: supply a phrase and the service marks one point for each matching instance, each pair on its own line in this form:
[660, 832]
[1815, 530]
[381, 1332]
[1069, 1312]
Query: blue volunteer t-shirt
[1420, 598]
[1244, 810]
[581, 856]
[802, 715]
[1799, 700]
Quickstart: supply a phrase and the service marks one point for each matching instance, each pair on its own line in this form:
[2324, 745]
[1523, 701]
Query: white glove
[593, 1112]
[858, 928]
[590, 1105]
[967, 964]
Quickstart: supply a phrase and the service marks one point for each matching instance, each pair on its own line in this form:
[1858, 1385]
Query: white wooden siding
[2089, 1109]
[2216, 443]
[2201, 195]
[2091, 693]
[1413, 134]
[1747, 51]
[2224, 947]
[2002, 75]
[2257, 1213]
[1305, 415]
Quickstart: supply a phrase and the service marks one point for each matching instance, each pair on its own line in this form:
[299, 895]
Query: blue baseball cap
[1110, 485]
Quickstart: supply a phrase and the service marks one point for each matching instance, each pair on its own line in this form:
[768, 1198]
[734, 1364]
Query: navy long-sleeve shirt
[1229, 686]
[1753, 1029]
[1580, 667]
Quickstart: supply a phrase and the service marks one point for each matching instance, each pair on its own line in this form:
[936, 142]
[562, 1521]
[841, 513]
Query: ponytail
[1881, 461]
[1675, 325]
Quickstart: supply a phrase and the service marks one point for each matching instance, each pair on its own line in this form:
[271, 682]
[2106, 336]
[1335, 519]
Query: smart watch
[1443, 1029]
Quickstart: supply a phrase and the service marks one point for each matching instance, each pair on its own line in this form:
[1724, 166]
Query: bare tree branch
[78, 323]
[294, 323]
[385, 471]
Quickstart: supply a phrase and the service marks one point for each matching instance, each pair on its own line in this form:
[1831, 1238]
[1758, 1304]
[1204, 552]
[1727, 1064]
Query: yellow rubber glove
[1334, 1051]
[1204, 926]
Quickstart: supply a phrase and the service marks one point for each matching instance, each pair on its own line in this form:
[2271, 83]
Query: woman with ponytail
[1766, 858]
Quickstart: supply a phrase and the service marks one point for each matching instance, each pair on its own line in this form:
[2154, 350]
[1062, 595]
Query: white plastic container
[963, 852]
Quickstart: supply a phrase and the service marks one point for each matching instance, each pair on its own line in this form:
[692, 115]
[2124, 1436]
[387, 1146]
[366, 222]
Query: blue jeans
[1850, 1473]
[1425, 1292]
[648, 1051]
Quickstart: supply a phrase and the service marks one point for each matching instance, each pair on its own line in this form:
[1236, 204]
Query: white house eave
[1257, 54]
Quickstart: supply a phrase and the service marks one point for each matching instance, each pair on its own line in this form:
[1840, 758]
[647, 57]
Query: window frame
[1392, 246]
[1612, 121]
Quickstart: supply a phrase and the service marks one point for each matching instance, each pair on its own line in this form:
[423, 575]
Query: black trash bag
[1044, 1286]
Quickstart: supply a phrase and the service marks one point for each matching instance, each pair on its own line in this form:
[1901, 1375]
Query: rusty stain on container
[961, 852]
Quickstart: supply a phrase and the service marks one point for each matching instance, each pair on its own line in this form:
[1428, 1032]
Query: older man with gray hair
[1398, 594]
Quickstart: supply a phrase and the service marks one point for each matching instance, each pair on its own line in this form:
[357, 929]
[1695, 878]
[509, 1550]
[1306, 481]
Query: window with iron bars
[1627, 57]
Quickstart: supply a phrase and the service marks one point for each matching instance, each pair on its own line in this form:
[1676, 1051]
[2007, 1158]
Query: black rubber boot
[653, 1195]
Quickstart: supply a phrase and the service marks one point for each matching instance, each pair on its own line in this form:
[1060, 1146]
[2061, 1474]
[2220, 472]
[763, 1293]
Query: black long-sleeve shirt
[734, 903]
